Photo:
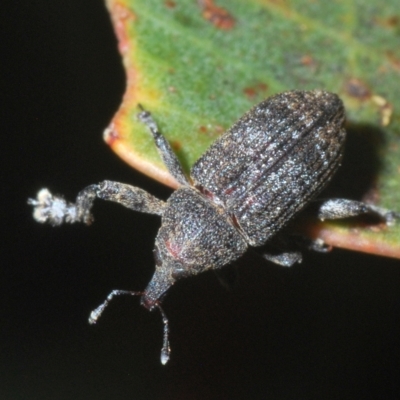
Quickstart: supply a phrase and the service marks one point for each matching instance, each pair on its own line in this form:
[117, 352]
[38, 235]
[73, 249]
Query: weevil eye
[157, 257]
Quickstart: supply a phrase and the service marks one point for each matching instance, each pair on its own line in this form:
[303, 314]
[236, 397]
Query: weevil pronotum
[246, 187]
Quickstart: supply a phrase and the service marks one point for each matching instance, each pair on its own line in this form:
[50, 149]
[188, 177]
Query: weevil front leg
[343, 208]
[55, 210]
[164, 148]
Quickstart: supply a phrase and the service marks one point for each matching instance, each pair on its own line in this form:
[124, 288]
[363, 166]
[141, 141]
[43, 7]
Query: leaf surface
[198, 66]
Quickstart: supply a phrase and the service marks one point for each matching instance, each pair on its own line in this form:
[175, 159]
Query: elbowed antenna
[96, 314]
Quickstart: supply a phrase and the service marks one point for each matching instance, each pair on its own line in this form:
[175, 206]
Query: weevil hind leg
[343, 208]
[282, 250]
[285, 258]
[287, 249]
[291, 257]
[55, 210]
[164, 148]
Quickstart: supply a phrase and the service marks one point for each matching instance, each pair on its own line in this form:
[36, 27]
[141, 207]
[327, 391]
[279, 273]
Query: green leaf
[198, 66]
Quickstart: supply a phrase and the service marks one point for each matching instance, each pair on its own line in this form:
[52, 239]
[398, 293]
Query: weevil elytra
[252, 180]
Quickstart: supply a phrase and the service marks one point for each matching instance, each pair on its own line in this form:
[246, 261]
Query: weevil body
[274, 160]
[246, 187]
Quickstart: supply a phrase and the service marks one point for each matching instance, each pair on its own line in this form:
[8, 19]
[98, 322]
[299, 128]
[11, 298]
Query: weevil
[241, 192]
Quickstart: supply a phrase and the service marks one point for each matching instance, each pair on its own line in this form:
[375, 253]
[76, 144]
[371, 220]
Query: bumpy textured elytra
[241, 192]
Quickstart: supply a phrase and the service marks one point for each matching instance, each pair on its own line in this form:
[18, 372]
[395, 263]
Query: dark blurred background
[328, 328]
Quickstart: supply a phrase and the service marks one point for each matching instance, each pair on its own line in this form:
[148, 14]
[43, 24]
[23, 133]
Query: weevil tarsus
[284, 259]
[318, 245]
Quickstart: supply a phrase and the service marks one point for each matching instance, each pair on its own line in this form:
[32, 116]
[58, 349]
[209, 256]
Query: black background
[328, 328]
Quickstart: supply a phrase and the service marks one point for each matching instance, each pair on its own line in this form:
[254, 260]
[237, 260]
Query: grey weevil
[244, 189]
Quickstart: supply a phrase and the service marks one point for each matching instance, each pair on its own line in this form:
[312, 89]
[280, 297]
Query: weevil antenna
[166, 349]
[97, 312]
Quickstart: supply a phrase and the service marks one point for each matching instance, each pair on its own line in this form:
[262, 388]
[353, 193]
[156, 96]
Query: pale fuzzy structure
[52, 209]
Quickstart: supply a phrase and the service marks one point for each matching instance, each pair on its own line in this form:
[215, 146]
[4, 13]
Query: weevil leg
[282, 250]
[290, 257]
[304, 242]
[164, 148]
[284, 259]
[343, 208]
[318, 245]
[56, 210]
[96, 314]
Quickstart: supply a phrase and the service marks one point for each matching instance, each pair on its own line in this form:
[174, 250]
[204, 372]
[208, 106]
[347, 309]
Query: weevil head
[164, 277]
[194, 236]
[174, 259]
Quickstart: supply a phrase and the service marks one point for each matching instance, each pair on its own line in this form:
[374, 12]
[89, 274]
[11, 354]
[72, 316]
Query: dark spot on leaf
[309, 61]
[390, 22]
[393, 21]
[253, 91]
[170, 4]
[176, 145]
[355, 87]
[202, 129]
[218, 16]
[393, 60]
[211, 133]
[263, 87]
[249, 92]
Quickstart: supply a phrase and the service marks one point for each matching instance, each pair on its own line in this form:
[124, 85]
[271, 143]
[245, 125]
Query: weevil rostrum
[244, 189]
